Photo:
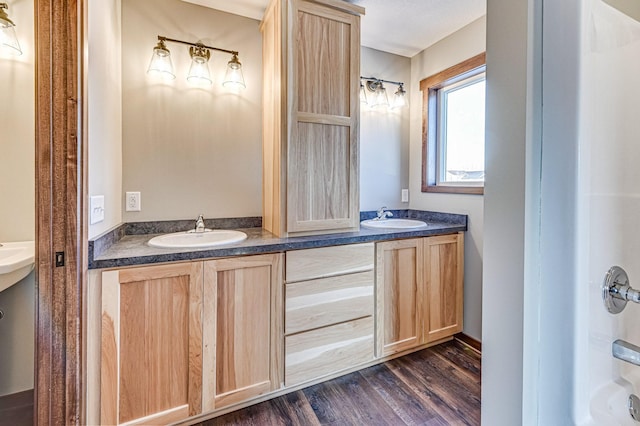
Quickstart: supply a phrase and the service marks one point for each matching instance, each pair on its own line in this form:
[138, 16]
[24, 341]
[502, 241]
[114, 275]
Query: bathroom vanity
[176, 334]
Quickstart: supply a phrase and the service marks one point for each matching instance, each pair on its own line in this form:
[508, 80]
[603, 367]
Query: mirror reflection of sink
[393, 224]
[16, 261]
[191, 239]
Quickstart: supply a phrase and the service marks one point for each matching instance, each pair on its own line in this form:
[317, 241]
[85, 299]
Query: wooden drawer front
[327, 301]
[302, 265]
[327, 350]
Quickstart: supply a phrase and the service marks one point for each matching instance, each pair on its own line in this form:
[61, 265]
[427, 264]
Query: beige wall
[104, 100]
[190, 151]
[17, 143]
[384, 135]
[457, 47]
[17, 208]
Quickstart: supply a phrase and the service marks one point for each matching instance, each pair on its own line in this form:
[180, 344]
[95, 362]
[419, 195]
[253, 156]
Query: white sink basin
[191, 239]
[393, 224]
[16, 261]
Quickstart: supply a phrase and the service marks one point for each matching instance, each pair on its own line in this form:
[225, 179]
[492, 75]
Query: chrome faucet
[383, 213]
[200, 224]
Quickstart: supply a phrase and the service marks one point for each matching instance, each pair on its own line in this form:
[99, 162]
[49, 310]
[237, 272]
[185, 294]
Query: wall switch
[96, 209]
[132, 202]
[405, 195]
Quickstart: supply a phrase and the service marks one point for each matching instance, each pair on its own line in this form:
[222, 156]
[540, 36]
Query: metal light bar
[173, 40]
[398, 83]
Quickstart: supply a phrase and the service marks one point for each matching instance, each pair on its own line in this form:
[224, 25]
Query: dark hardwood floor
[17, 409]
[436, 386]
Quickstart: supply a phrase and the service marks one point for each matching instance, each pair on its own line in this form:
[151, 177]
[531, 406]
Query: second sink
[393, 224]
[193, 239]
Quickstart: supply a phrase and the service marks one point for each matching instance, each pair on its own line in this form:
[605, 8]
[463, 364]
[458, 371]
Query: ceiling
[401, 27]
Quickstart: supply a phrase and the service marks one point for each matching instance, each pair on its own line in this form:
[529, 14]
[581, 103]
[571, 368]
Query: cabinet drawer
[324, 262]
[327, 350]
[326, 301]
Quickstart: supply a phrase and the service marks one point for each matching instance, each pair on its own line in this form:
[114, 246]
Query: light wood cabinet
[419, 285]
[399, 295]
[329, 298]
[311, 66]
[443, 274]
[151, 344]
[242, 331]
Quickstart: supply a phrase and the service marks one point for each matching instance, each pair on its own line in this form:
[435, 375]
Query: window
[453, 128]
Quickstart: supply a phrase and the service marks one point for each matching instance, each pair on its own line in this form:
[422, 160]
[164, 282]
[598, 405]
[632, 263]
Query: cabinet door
[242, 326]
[399, 295]
[151, 350]
[443, 268]
[322, 173]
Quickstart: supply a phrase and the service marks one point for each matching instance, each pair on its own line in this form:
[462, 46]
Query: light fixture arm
[371, 82]
[197, 45]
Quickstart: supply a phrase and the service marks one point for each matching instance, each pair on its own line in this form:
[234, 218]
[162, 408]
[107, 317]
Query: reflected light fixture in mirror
[233, 77]
[8, 40]
[199, 74]
[160, 64]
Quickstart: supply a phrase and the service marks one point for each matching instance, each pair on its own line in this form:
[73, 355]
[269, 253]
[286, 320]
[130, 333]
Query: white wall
[104, 100]
[511, 208]
[17, 199]
[188, 150]
[459, 46]
[384, 135]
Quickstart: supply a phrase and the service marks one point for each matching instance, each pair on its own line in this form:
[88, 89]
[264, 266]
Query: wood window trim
[428, 86]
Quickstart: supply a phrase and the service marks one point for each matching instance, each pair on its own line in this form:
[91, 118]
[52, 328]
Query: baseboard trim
[16, 409]
[474, 344]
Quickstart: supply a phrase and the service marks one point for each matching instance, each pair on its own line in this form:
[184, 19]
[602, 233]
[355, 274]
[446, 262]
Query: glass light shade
[233, 78]
[160, 64]
[199, 70]
[363, 94]
[399, 98]
[380, 97]
[8, 40]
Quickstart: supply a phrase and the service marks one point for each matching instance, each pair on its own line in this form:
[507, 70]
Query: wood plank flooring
[17, 409]
[436, 386]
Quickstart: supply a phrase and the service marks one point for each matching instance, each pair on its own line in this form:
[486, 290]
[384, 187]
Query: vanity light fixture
[199, 70]
[379, 93]
[8, 39]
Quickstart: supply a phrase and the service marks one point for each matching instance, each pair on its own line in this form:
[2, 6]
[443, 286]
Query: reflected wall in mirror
[17, 209]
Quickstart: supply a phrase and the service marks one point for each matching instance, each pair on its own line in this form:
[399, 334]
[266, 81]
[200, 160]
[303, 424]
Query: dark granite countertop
[127, 245]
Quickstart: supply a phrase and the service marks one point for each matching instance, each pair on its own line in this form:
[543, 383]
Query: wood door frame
[60, 176]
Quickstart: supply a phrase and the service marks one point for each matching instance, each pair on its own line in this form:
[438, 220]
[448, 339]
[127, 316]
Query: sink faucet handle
[200, 227]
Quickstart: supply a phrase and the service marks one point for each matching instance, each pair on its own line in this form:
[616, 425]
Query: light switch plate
[96, 209]
[405, 195]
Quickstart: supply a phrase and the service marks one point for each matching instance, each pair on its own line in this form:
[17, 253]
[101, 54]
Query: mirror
[17, 214]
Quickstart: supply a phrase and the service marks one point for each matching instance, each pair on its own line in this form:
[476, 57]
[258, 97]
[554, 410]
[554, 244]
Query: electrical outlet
[96, 209]
[132, 202]
[404, 195]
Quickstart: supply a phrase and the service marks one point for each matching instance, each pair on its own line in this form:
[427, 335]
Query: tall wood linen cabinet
[311, 109]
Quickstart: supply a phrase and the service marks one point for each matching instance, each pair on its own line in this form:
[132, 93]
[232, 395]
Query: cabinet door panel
[151, 344]
[399, 295]
[240, 328]
[444, 285]
[320, 177]
[323, 60]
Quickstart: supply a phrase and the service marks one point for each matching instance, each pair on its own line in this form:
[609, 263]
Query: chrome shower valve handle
[616, 291]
